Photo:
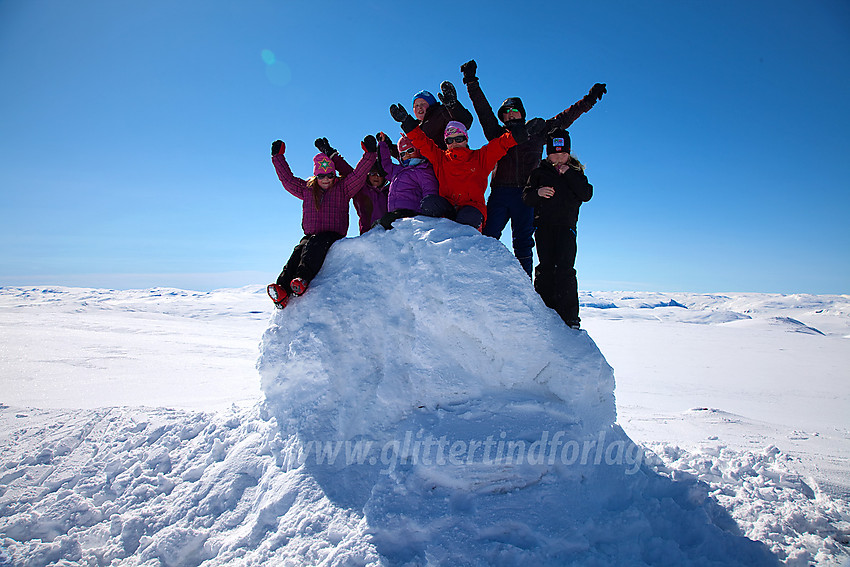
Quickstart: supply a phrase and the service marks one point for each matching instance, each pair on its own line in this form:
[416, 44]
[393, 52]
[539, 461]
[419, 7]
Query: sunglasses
[410, 151]
[325, 175]
[375, 173]
[455, 139]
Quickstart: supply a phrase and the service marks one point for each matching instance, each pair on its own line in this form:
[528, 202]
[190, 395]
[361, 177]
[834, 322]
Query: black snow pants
[307, 258]
[555, 275]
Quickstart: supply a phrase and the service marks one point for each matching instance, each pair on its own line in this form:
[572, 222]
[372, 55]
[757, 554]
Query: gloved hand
[448, 96]
[519, 131]
[386, 139]
[597, 90]
[468, 69]
[369, 144]
[278, 147]
[324, 146]
[535, 126]
[399, 114]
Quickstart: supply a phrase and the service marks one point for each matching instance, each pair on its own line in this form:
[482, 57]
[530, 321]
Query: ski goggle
[408, 151]
[455, 140]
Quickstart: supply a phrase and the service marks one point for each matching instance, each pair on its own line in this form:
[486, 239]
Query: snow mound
[425, 315]
[425, 388]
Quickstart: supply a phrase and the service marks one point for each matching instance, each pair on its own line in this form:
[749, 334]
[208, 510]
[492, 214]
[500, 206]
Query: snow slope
[422, 405]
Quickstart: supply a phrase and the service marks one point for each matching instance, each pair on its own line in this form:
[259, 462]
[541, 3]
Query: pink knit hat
[404, 143]
[323, 164]
[455, 128]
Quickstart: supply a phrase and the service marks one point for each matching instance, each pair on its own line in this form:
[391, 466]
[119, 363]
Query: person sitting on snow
[324, 215]
[371, 201]
[410, 182]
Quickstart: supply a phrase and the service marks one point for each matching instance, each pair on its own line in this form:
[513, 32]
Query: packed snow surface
[420, 405]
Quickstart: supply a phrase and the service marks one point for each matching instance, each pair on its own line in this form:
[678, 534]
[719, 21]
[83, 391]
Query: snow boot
[278, 295]
[298, 286]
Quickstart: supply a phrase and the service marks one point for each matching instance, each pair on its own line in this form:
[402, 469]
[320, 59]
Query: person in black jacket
[556, 189]
[508, 180]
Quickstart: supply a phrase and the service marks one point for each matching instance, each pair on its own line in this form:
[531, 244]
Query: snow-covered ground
[396, 412]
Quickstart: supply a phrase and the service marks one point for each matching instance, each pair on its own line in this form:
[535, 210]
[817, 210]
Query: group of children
[439, 175]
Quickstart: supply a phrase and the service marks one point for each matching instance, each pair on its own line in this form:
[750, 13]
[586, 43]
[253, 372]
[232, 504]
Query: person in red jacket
[461, 172]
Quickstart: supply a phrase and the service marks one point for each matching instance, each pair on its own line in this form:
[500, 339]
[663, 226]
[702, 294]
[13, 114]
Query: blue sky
[134, 136]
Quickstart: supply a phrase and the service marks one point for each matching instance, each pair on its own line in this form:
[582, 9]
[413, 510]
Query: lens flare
[277, 72]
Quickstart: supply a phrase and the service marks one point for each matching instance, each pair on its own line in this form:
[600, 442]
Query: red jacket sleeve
[496, 149]
[427, 147]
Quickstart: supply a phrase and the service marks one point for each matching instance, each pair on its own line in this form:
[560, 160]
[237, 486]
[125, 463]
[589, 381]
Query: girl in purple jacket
[324, 215]
[410, 182]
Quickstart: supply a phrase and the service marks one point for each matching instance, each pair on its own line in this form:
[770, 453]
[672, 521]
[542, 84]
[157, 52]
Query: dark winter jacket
[571, 190]
[370, 204]
[438, 116]
[331, 215]
[513, 169]
[408, 184]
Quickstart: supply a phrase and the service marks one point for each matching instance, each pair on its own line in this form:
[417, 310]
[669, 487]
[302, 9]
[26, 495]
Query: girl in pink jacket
[324, 217]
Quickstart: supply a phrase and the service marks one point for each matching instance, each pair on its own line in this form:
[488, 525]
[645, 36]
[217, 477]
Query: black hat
[512, 102]
[558, 142]
[376, 168]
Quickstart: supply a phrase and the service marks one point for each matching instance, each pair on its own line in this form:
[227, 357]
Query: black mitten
[468, 69]
[535, 126]
[369, 144]
[386, 139]
[448, 96]
[519, 131]
[324, 146]
[278, 147]
[597, 90]
[399, 114]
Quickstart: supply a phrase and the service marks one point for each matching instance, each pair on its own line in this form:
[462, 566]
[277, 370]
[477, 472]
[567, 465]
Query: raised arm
[488, 119]
[387, 164]
[418, 138]
[356, 179]
[568, 116]
[295, 185]
[448, 96]
[494, 150]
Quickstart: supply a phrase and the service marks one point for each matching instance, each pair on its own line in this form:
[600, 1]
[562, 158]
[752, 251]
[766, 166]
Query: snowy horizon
[201, 282]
